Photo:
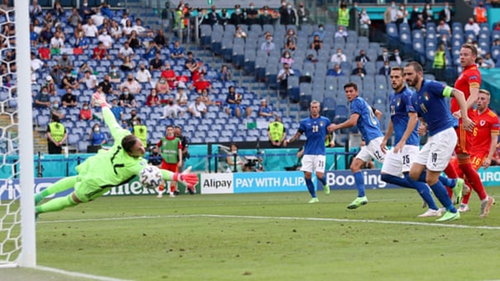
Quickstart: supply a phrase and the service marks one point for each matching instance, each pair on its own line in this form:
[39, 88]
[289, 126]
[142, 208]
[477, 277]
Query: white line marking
[78, 274]
[283, 218]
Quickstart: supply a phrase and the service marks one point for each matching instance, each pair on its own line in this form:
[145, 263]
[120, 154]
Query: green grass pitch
[275, 236]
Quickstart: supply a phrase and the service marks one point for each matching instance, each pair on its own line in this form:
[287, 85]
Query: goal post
[27, 257]
[17, 210]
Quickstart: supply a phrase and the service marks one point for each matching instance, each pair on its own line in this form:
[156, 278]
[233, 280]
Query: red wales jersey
[486, 125]
[470, 78]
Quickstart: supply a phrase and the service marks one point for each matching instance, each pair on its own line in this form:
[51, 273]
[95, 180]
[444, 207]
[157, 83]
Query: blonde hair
[486, 92]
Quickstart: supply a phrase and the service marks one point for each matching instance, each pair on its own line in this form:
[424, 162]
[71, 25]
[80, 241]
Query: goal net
[17, 231]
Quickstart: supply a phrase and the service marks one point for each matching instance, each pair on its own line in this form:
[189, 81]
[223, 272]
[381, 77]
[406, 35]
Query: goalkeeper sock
[56, 204]
[59, 186]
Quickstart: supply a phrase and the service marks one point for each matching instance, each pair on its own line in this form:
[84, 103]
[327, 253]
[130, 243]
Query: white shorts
[398, 163]
[312, 163]
[437, 152]
[372, 151]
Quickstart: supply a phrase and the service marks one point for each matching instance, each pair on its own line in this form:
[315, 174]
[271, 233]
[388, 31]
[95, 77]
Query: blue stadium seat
[341, 114]
[329, 106]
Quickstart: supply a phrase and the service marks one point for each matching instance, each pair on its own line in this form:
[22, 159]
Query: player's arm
[377, 113]
[474, 93]
[294, 138]
[179, 156]
[412, 122]
[460, 97]
[351, 122]
[388, 134]
[493, 148]
[109, 118]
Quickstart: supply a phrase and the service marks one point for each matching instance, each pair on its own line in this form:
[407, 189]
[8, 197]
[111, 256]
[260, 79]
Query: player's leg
[173, 184]
[400, 164]
[419, 161]
[59, 186]
[79, 195]
[161, 188]
[392, 169]
[487, 201]
[307, 168]
[371, 151]
[438, 159]
[359, 161]
[319, 168]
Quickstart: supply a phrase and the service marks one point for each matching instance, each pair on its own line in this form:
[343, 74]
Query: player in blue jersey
[365, 118]
[314, 159]
[434, 156]
[404, 125]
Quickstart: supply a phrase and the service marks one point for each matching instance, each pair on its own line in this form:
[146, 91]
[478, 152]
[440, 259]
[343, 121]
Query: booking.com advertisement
[251, 182]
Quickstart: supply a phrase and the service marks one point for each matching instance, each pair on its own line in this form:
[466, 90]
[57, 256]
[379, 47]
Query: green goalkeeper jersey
[114, 166]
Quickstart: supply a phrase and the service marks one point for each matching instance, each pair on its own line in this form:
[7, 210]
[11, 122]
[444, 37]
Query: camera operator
[185, 144]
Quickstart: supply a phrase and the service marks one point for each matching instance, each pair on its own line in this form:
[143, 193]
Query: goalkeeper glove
[190, 179]
[100, 100]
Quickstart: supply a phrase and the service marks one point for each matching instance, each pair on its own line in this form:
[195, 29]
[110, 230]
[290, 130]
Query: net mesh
[10, 216]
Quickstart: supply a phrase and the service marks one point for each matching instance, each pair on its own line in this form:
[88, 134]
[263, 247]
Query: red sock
[473, 178]
[161, 188]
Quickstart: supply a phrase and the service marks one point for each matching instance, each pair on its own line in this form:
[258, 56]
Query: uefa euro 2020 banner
[250, 182]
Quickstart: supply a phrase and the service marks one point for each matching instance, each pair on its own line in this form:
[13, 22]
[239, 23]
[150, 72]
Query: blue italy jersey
[315, 131]
[400, 104]
[431, 105]
[368, 123]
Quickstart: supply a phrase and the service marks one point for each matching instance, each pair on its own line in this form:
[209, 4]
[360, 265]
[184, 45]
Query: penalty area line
[360, 221]
[78, 274]
[447, 225]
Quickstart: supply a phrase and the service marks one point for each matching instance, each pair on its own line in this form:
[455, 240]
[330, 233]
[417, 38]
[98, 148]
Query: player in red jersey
[468, 82]
[484, 142]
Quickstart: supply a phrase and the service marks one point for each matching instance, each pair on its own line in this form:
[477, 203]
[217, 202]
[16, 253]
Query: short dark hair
[128, 142]
[415, 65]
[351, 84]
[397, 68]
[170, 126]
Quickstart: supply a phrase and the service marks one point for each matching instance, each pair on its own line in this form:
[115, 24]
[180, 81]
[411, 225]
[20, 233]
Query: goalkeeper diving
[109, 168]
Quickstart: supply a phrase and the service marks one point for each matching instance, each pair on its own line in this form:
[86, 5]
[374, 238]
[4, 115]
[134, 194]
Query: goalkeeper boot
[358, 202]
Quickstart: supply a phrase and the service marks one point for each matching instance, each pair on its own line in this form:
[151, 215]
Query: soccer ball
[150, 177]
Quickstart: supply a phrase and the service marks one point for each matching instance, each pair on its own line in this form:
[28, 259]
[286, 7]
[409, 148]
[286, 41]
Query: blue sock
[397, 181]
[360, 183]
[423, 191]
[447, 182]
[322, 179]
[442, 196]
[444, 180]
[310, 187]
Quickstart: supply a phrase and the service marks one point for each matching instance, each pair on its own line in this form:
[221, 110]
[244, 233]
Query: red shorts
[169, 167]
[477, 160]
[464, 140]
